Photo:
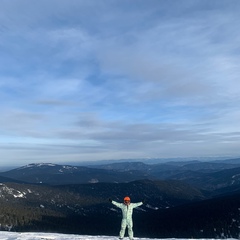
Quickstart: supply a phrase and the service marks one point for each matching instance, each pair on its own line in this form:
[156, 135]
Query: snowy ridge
[56, 236]
[62, 168]
[37, 165]
[50, 167]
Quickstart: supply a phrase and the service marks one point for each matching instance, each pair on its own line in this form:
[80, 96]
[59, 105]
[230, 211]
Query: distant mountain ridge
[55, 174]
[208, 176]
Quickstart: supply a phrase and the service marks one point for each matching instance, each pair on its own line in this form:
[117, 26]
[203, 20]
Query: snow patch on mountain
[11, 191]
[151, 207]
[69, 167]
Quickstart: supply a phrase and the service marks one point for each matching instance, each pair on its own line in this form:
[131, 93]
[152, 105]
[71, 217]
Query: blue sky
[113, 79]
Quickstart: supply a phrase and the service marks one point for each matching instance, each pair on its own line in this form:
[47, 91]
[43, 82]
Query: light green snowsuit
[127, 211]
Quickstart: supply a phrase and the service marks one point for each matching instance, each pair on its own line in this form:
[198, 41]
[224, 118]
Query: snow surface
[56, 236]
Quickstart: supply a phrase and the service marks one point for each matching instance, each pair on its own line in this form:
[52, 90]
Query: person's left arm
[134, 205]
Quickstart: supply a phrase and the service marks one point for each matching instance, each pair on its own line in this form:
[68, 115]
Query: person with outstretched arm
[127, 210]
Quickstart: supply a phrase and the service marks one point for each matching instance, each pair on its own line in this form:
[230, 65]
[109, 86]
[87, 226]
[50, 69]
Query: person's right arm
[117, 204]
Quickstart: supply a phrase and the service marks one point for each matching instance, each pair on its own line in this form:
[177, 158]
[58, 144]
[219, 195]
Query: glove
[110, 200]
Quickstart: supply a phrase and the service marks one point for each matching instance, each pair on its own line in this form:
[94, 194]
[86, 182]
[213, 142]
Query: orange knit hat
[126, 199]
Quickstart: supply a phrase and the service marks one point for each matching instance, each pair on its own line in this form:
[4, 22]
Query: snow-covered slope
[56, 236]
